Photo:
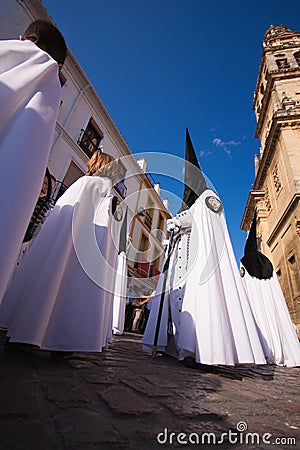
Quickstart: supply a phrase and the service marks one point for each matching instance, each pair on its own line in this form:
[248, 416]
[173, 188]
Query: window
[144, 243]
[160, 224]
[149, 214]
[73, 173]
[154, 266]
[90, 138]
[282, 63]
[297, 58]
[141, 263]
[160, 227]
[292, 259]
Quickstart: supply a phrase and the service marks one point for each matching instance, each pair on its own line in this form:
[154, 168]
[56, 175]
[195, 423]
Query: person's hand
[173, 225]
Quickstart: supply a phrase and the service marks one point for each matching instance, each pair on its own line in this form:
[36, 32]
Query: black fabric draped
[255, 262]
[194, 179]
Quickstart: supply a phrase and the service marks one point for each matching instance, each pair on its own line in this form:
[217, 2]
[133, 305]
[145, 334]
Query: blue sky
[161, 66]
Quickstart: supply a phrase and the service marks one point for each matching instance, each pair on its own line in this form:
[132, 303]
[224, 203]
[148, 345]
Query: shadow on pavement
[264, 372]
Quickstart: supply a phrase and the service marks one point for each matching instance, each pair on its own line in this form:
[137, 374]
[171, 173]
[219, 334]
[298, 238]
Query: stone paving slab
[123, 398]
[147, 389]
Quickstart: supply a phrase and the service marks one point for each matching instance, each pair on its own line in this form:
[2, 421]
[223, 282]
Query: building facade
[275, 194]
[84, 125]
[147, 233]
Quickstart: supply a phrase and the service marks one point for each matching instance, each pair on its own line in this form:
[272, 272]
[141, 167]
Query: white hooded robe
[277, 332]
[62, 296]
[211, 316]
[29, 100]
[120, 295]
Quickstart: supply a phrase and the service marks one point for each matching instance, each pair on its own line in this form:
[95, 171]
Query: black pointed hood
[194, 180]
[123, 235]
[256, 264]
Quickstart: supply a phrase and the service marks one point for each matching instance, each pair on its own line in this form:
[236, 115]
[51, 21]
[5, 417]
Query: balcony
[142, 266]
[153, 271]
[148, 219]
[145, 268]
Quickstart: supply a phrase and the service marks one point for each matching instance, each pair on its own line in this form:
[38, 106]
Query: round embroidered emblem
[118, 214]
[214, 204]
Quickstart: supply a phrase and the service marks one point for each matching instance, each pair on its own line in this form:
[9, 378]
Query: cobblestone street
[123, 398]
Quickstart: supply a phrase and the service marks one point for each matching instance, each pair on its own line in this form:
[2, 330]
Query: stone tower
[275, 193]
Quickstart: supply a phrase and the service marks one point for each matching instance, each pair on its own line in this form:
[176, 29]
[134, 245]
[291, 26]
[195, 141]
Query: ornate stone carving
[267, 200]
[276, 179]
[288, 103]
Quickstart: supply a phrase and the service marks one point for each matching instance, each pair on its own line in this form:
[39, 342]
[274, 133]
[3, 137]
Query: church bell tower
[275, 193]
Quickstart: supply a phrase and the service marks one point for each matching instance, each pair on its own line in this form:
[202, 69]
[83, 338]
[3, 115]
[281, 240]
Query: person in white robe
[120, 294]
[205, 311]
[30, 95]
[276, 329]
[61, 298]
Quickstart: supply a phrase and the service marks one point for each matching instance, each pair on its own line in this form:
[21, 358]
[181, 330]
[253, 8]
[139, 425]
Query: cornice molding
[253, 197]
[276, 48]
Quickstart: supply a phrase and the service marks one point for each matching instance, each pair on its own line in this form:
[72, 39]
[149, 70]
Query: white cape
[277, 332]
[29, 99]
[61, 297]
[216, 324]
[120, 295]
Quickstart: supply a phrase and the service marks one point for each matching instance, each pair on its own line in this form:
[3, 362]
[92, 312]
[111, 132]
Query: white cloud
[225, 145]
[204, 153]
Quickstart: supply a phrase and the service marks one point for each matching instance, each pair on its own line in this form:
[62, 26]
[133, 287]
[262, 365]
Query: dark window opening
[282, 63]
[73, 173]
[149, 211]
[90, 139]
[297, 57]
[292, 259]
